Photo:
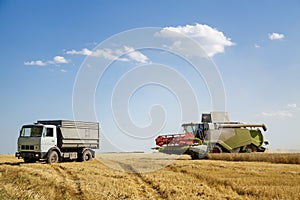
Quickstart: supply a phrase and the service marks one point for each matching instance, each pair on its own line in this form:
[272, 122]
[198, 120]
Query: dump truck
[57, 140]
[214, 134]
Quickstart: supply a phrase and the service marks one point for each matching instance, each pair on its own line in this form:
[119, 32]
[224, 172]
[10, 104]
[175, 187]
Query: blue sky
[43, 45]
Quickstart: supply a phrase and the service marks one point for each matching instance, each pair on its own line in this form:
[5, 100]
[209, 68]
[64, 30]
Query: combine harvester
[215, 134]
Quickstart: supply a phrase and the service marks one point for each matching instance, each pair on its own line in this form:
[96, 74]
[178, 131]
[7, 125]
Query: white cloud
[60, 60]
[293, 106]
[279, 114]
[211, 40]
[63, 70]
[284, 113]
[110, 54]
[256, 46]
[136, 55]
[276, 36]
[56, 60]
[36, 63]
[84, 51]
[128, 53]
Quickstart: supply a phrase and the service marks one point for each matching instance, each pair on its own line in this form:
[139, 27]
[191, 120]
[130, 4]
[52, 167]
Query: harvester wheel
[251, 148]
[217, 149]
[236, 150]
[194, 156]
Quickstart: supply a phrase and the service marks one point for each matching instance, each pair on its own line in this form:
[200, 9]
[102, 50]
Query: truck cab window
[49, 132]
[31, 131]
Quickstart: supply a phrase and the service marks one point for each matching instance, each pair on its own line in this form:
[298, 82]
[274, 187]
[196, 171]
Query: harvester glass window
[189, 129]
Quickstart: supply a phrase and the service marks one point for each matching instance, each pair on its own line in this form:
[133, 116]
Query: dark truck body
[59, 140]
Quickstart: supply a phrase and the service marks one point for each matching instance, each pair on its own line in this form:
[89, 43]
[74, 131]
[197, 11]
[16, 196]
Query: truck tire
[87, 155]
[53, 157]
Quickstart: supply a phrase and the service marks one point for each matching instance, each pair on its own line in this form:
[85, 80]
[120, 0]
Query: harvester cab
[197, 129]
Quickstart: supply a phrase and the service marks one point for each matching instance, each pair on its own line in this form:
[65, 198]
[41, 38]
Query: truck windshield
[31, 131]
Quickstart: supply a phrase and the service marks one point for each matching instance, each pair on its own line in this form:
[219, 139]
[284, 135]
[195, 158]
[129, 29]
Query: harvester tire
[251, 148]
[194, 156]
[217, 149]
[236, 150]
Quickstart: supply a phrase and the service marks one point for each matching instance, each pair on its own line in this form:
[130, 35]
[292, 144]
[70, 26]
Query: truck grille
[27, 147]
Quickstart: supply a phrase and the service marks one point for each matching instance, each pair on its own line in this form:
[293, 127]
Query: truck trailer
[58, 140]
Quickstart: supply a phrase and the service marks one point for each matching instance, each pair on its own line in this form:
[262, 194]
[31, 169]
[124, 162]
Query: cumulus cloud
[109, 54]
[280, 114]
[136, 55]
[211, 40]
[256, 46]
[124, 54]
[60, 60]
[35, 63]
[276, 36]
[84, 51]
[56, 60]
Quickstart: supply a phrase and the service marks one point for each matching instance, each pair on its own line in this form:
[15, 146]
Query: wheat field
[148, 176]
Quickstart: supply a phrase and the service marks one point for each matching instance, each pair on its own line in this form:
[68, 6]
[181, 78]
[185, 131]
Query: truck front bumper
[36, 155]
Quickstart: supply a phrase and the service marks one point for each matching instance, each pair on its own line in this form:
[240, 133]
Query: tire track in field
[212, 182]
[76, 180]
[156, 193]
[67, 174]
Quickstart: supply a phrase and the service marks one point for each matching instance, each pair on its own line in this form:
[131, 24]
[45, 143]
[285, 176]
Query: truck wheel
[87, 155]
[53, 157]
